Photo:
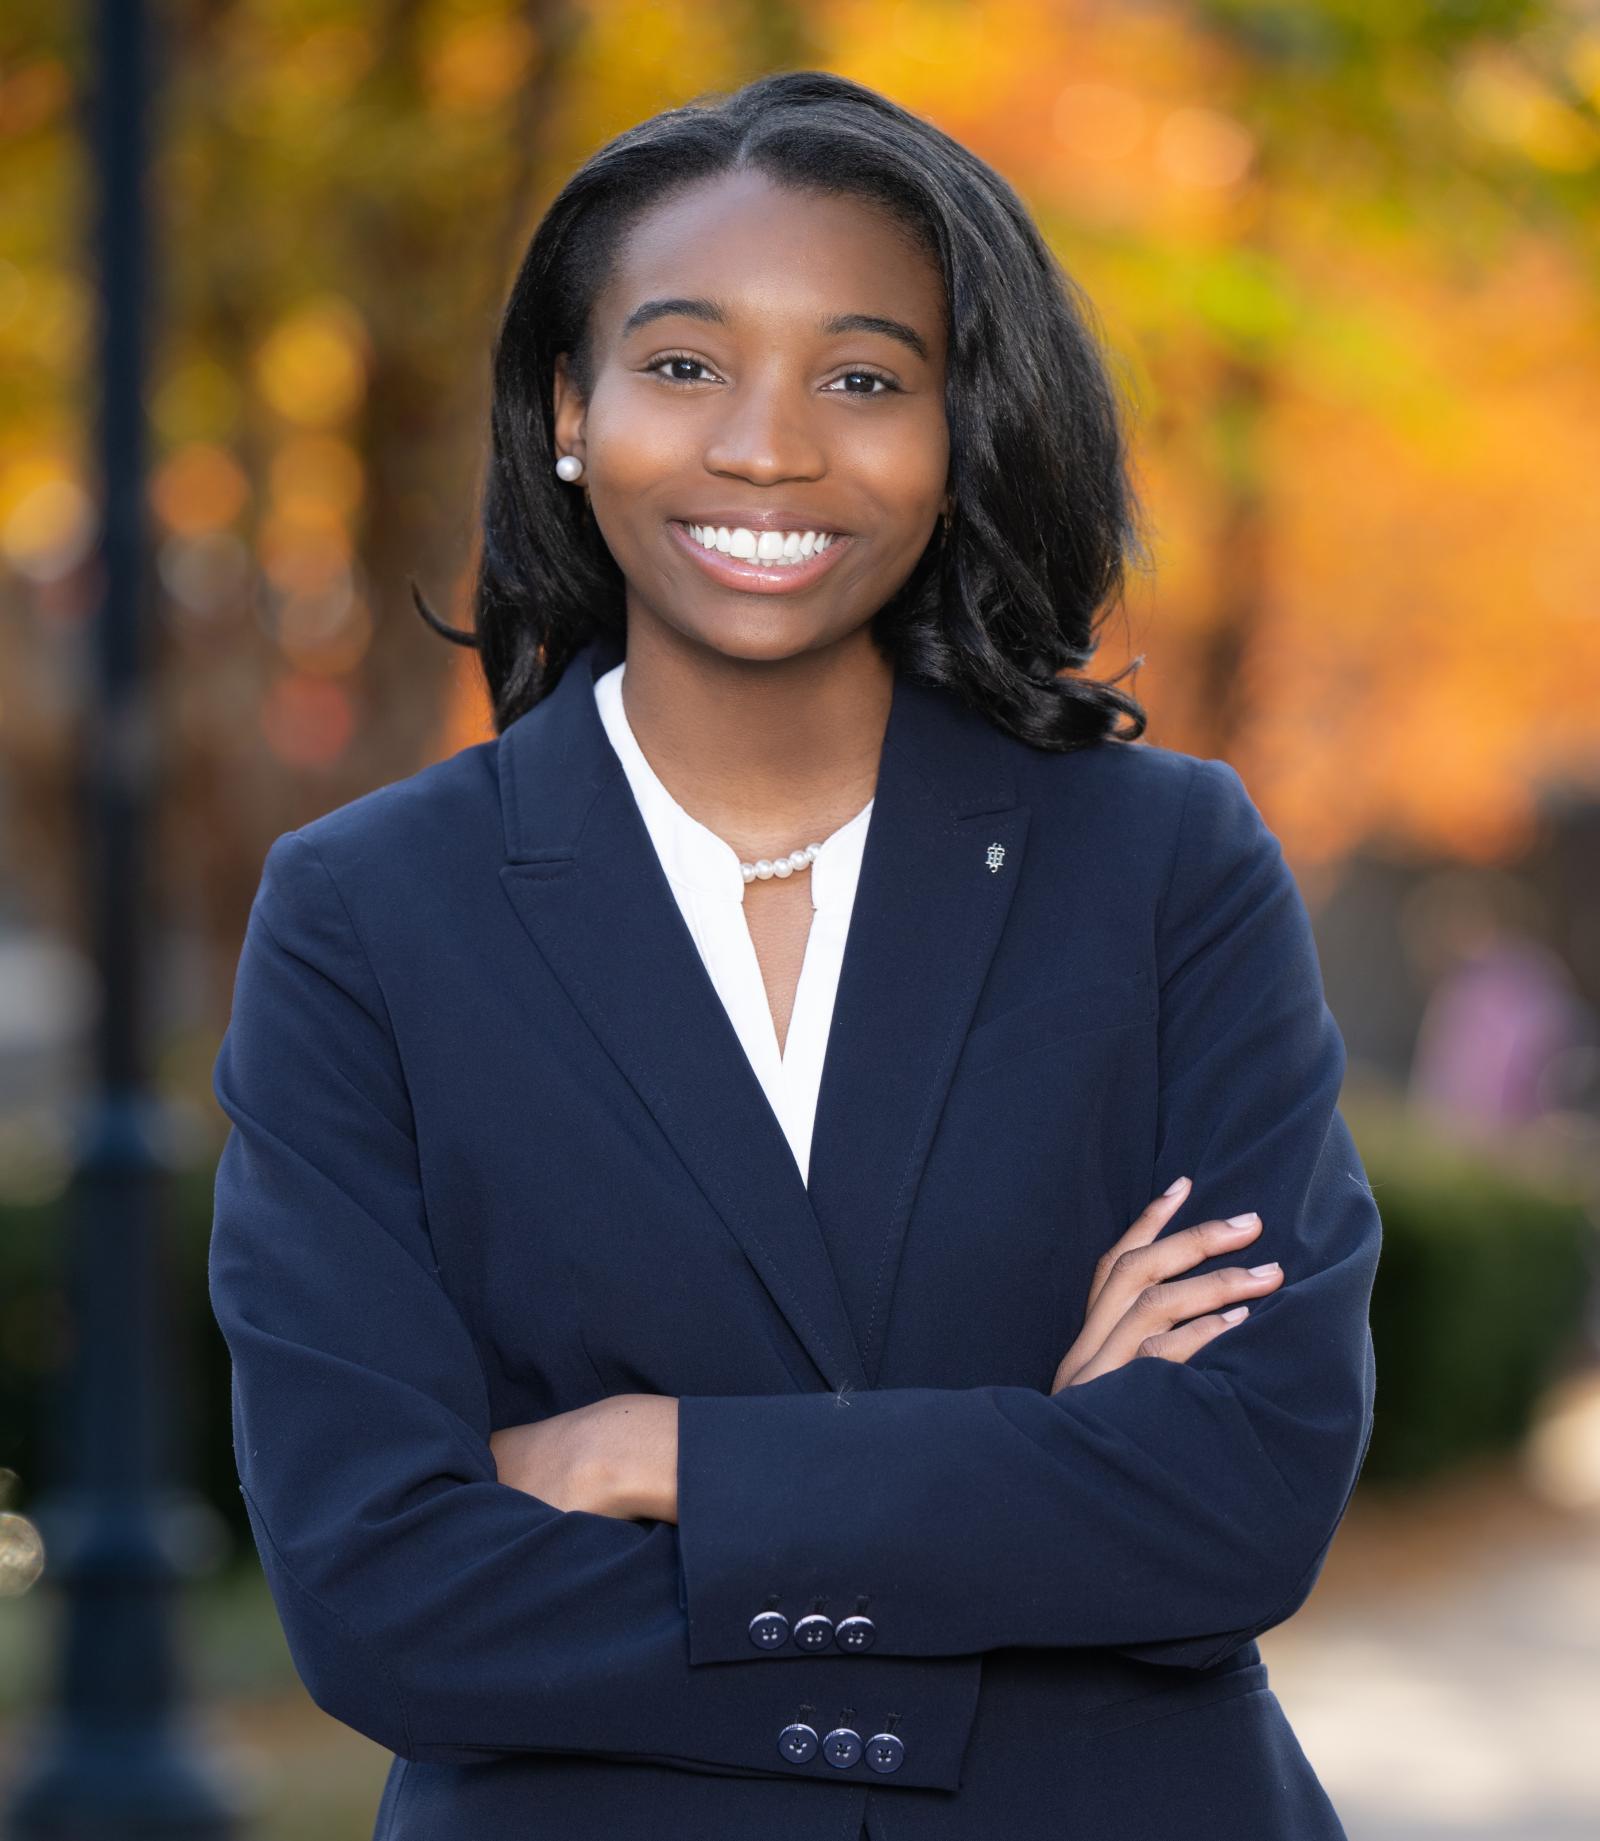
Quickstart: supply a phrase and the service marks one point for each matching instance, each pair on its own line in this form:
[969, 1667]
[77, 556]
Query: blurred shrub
[1484, 1282]
[38, 1335]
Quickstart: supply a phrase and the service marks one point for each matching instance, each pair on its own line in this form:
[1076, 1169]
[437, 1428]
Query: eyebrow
[697, 308]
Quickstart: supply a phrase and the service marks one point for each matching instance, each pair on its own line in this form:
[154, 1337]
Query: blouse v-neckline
[703, 872]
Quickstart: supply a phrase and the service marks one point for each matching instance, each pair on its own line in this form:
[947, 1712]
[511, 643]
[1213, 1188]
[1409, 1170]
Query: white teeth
[772, 548]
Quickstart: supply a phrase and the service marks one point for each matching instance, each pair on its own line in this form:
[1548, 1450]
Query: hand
[617, 1456]
[1131, 1313]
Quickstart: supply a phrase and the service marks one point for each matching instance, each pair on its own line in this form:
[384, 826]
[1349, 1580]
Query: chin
[760, 635]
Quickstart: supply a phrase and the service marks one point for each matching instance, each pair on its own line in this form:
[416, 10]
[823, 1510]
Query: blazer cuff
[765, 1531]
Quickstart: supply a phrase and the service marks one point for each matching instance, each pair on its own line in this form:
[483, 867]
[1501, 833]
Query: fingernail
[1173, 1188]
[1264, 1271]
[1248, 1220]
[1238, 1311]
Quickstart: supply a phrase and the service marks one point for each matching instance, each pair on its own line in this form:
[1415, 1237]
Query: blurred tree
[1461, 131]
[1343, 253]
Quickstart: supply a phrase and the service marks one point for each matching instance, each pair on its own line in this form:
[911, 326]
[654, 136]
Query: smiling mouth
[773, 549]
[794, 561]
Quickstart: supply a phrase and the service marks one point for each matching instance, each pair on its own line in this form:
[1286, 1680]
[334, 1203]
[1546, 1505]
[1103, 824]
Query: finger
[1178, 1299]
[1145, 1226]
[1173, 1345]
[1160, 1309]
[1136, 1268]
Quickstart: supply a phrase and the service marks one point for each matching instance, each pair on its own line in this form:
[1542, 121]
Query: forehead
[778, 259]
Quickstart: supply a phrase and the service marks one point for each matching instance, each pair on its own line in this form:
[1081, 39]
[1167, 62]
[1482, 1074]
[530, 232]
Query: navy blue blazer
[496, 1152]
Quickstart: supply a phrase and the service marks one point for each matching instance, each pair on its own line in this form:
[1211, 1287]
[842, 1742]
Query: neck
[767, 755]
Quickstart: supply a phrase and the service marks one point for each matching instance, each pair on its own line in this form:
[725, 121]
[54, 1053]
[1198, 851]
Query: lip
[773, 518]
[733, 572]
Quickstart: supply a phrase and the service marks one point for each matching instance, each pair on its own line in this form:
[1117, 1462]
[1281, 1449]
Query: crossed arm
[619, 1456]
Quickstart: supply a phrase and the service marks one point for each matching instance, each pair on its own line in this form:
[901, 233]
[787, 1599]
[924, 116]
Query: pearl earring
[569, 467]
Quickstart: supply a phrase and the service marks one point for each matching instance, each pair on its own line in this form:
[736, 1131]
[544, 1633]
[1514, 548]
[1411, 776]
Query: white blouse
[703, 870]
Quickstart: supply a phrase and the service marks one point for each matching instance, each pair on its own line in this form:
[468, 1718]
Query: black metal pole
[112, 1760]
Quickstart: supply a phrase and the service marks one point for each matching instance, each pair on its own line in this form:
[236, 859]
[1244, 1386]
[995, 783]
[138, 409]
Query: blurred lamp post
[114, 1759]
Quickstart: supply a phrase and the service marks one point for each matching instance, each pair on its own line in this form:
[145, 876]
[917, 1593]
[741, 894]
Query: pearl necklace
[766, 867]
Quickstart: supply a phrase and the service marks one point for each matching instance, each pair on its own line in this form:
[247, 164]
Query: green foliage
[1480, 1298]
[37, 1339]
[1335, 34]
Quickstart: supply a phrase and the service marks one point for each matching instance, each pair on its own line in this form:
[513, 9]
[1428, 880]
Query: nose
[762, 432]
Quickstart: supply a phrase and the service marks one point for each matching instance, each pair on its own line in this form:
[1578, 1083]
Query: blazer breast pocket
[1118, 1000]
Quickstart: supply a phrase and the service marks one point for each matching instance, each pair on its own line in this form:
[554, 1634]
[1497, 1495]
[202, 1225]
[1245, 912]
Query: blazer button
[798, 1742]
[842, 1746]
[814, 1632]
[885, 1752]
[769, 1630]
[855, 1633]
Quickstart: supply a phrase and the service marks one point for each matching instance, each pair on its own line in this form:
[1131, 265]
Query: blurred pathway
[1444, 1678]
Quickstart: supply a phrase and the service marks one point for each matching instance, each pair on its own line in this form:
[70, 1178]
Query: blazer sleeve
[445, 1615]
[1169, 1510]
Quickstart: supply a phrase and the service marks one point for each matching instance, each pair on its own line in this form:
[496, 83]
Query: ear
[568, 411]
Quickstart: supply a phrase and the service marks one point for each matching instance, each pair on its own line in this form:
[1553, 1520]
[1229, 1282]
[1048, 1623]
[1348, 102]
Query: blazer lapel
[943, 852]
[583, 877]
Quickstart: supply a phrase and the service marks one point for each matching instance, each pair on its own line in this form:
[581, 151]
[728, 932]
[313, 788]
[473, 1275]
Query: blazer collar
[586, 883]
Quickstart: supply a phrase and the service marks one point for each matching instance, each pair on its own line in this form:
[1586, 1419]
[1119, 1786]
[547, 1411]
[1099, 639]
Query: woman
[693, 1375]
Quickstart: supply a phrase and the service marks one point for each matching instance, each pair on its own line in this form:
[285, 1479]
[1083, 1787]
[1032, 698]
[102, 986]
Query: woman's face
[722, 398]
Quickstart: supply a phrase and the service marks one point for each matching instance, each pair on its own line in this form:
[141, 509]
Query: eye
[872, 377]
[654, 368]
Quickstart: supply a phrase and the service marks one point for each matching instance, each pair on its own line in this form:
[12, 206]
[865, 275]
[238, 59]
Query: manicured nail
[1173, 1188]
[1248, 1220]
[1238, 1311]
[1265, 1271]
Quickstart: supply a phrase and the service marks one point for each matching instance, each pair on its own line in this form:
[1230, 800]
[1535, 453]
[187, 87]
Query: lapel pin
[995, 857]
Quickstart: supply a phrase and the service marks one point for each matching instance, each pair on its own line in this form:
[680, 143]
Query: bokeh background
[1345, 256]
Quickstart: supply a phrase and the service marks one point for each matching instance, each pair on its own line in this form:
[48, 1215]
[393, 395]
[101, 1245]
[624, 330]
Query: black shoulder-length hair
[1013, 587]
